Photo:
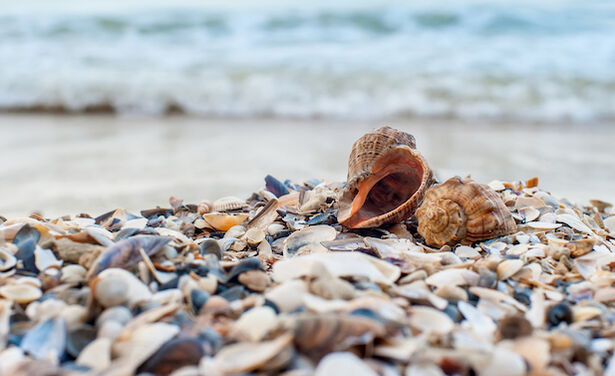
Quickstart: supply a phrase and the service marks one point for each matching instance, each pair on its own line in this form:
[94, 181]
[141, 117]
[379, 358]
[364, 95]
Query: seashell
[332, 364]
[540, 225]
[204, 206]
[503, 362]
[254, 324]
[454, 277]
[464, 251]
[117, 287]
[529, 213]
[211, 246]
[462, 211]
[21, 293]
[536, 351]
[78, 339]
[7, 260]
[142, 342]
[46, 340]
[44, 258]
[512, 327]
[119, 314]
[308, 239]
[255, 280]
[319, 334]
[228, 203]
[288, 295]
[574, 222]
[387, 179]
[429, 320]
[235, 232]
[266, 216]
[275, 186]
[254, 236]
[96, 355]
[245, 357]
[126, 253]
[223, 222]
[173, 355]
[352, 264]
[508, 268]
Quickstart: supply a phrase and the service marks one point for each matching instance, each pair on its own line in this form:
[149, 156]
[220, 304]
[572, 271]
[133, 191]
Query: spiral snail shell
[387, 178]
[462, 211]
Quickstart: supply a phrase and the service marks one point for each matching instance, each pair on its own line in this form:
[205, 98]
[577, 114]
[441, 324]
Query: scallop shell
[462, 211]
[387, 179]
[228, 203]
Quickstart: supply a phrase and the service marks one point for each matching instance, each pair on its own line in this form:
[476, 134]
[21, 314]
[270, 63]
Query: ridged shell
[228, 203]
[462, 211]
[387, 179]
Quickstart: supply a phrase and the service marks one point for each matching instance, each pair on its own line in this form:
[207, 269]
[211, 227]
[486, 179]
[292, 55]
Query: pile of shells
[275, 285]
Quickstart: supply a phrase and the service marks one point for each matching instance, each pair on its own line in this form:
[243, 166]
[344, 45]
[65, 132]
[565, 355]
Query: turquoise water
[532, 61]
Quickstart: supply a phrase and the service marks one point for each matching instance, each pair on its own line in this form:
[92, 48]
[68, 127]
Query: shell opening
[385, 191]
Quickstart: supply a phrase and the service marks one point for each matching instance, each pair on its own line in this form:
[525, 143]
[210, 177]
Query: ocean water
[536, 61]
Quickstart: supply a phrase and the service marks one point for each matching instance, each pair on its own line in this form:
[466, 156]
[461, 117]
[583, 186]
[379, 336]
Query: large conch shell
[462, 211]
[387, 178]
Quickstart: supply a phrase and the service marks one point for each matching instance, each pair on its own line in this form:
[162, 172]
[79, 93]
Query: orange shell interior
[394, 180]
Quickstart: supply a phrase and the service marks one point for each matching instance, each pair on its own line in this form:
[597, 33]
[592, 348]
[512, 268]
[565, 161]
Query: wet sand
[62, 164]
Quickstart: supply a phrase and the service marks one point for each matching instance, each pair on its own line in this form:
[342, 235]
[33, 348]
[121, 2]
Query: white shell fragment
[353, 264]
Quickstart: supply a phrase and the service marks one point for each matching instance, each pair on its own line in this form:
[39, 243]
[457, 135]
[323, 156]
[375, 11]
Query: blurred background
[107, 104]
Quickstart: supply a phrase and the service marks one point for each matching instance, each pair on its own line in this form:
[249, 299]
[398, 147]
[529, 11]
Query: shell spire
[387, 178]
[462, 211]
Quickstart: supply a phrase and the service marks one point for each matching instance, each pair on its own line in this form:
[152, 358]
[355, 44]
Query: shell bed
[274, 285]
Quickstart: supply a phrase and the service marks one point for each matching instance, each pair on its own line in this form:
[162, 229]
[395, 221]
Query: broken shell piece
[462, 211]
[387, 179]
[508, 268]
[540, 225]
[223, 222]
[7, 260]
[44, 258]
[96, 355]
[254, 235]
[355, 265]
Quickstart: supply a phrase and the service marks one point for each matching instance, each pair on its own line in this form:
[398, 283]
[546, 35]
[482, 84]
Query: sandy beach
[60, 164]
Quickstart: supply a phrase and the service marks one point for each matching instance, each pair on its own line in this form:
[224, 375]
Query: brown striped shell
[462, 211]
[387, 178]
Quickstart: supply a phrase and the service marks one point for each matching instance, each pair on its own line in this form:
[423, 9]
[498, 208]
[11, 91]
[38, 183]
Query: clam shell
[387, 178]
[223, 222]
[21, 293]
[462, 211]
